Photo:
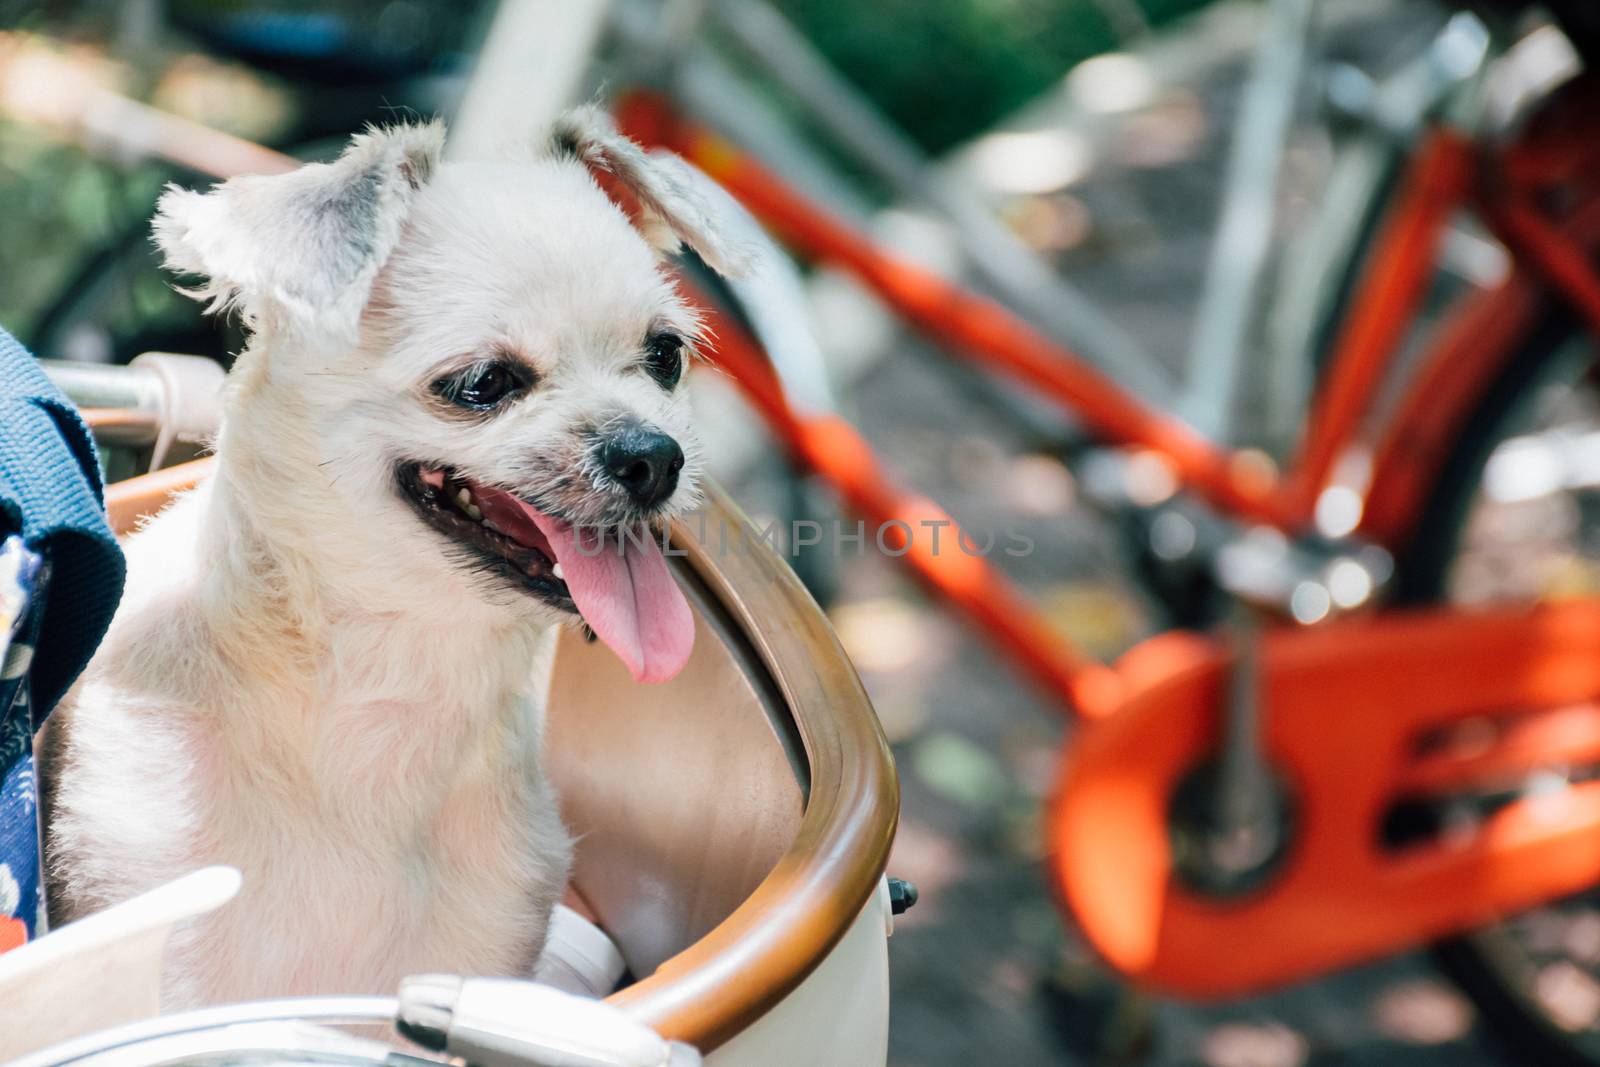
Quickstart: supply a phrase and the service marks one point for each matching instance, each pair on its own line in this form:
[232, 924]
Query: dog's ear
[301, 249]
[675, 209]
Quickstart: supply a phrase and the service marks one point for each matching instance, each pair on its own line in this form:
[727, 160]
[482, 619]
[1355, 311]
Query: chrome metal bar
[1244, 798]
[271, 1044]
[331, 1011]
[706, 87]
[1389, 116]
[531, 66]
[99, 385]
[1003, 263]
[1239, 252]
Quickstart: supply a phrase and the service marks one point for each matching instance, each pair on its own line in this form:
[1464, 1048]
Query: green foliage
[947, 69]
[64, 207]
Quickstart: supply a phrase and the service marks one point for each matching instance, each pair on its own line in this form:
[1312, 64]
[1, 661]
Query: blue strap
[50, 494]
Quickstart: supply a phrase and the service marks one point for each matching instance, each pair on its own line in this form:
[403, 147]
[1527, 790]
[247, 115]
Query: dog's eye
[482, 386]
[663, 358]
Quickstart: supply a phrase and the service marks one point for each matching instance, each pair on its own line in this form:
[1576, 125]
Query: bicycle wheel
[1510, 518]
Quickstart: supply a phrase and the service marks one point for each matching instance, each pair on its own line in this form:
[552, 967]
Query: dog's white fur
[305, 681]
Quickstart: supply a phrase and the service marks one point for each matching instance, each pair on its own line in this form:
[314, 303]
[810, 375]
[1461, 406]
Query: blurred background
[1095, 130]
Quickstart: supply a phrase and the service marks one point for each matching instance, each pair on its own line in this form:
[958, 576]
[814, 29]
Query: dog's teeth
[556, 570]
[474, 513]
[463, 496]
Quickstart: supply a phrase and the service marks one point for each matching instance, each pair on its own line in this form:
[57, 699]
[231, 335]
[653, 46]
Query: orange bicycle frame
[1440, 181]
[1349, 705]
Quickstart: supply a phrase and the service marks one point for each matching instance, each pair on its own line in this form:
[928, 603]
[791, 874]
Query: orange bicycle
[1246, 810]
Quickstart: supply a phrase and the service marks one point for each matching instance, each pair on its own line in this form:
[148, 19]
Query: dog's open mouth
[619, 585]
[456, 507]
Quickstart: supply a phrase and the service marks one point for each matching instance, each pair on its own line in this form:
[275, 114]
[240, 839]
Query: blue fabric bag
[61, 574]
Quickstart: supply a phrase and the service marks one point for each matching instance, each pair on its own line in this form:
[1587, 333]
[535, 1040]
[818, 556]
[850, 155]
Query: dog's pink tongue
[626, 595]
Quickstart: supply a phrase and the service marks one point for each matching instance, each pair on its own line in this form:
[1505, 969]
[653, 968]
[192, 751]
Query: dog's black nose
[644, 461]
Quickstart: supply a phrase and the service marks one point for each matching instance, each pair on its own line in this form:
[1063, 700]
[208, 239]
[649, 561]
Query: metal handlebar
[161, 399]
[487, 1022]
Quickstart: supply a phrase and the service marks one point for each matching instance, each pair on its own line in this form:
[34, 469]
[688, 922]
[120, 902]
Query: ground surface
[984, 970]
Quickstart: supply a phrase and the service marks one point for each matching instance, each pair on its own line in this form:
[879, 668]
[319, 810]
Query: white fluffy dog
[329, 666]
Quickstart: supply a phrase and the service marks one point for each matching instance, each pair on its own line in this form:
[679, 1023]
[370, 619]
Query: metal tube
[530, 67]
[337, 1011]
[1244, 794]
[706, 87]
[1239, 253]
[99, 385]
[1003, 262]
[1319, 270]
